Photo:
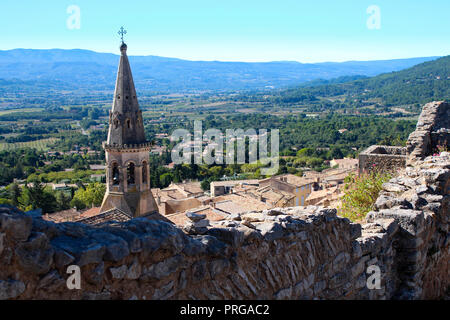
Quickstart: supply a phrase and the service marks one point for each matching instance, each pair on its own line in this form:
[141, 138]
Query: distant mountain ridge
[79, 69]
[419, 84]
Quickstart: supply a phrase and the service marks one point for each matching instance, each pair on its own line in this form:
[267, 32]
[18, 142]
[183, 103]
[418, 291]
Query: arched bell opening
[131, 173]
[115, 174]
[144, 172]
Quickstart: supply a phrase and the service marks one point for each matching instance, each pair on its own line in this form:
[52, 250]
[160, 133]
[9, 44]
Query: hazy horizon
[129, 53]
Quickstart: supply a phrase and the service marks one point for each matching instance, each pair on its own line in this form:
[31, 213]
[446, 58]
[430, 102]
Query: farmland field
[3, 112]
[38, 144]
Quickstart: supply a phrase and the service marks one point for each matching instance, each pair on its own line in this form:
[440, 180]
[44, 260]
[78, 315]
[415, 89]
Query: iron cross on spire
[121, 32]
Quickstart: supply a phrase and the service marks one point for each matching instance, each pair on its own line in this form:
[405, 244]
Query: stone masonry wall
[293, 253]
[432, 130]
[287, 253]
[420, 202]
[386, 158]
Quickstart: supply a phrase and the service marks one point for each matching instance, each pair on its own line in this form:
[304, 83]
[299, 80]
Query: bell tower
[127, 151]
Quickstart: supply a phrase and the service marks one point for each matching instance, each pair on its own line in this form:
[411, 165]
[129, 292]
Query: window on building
[130, 173]
[303, 200]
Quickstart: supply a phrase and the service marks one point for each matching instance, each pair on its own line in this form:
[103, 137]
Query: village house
[97, 167]
[187, 189]
[272, 196]
[157, 150]
[98, 177]
[178, 197]
[299, 186]
[346, 163]
[218, 188]
[325, 197]
[63, 186]
[220, 208]
[170, 165]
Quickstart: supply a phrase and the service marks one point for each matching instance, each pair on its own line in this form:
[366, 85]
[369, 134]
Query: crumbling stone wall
[382, 158]
[432, 130]
[419, 202]
[287, 253]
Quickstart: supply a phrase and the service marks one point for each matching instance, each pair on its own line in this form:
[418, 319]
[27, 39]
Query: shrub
[360, 193]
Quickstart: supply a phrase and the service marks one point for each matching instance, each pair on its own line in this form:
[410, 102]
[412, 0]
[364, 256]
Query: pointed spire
[125, 118]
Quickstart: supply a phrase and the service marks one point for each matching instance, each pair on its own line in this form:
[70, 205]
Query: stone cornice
[146, 146]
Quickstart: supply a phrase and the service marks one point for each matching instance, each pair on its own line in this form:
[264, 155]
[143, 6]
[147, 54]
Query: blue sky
[230, 30]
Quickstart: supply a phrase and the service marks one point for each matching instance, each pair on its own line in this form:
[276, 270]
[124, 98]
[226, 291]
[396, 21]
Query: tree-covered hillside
[422, 83]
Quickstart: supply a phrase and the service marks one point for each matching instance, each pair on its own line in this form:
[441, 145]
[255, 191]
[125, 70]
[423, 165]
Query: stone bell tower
[127, 150]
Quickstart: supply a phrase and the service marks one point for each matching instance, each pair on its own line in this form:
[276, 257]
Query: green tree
[216, 172]
[305, 152]
[35, 196]
[77, 203]
[165, 179]
[205, 184]
[92, 196]
[336, 153]
[62, 201]
[14, 193]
